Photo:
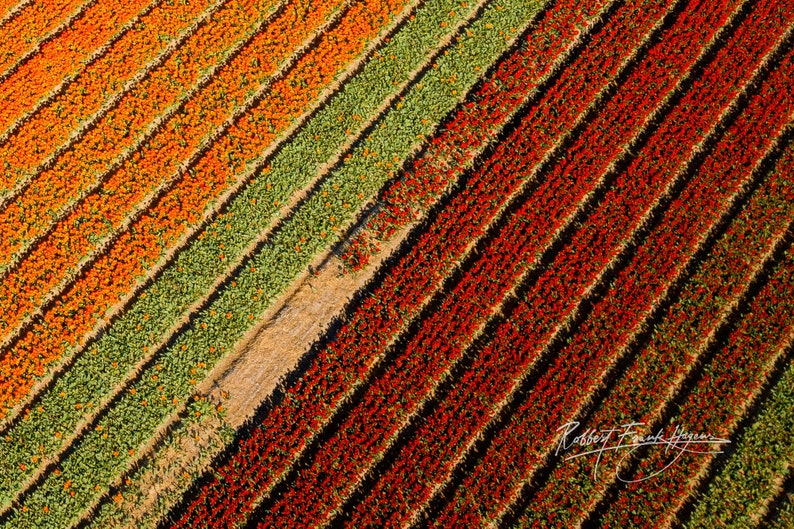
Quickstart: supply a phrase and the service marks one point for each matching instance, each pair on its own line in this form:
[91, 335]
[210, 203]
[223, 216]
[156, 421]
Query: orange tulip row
[79, 168]
[63, 56]
[52, 125]
[24, 31]
[6, 6]
[140, 246]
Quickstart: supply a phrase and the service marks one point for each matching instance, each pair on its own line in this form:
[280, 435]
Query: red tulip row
[473, 125]
[371, 328]
[66, 54]
[671, 350]
[442, 337]
[404, 486]
[714, 406]
[745, 484]
[566, 384]
[21, 33]
[259, 462]
[37, 135]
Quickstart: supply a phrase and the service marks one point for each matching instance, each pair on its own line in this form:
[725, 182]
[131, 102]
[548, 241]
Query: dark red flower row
[673, 348]
[471, 402]
[435, 443]
[444, 335]
[578, 369]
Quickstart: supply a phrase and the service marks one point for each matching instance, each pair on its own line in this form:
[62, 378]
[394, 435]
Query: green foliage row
[763, 455]
[116, 510]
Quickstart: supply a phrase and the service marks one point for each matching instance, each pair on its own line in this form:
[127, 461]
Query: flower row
[370, 330]
[65, 55]
[139, 247]
[483, 385]
[183, 283]
[7, 8]
[413, 108]
[39, 134]
[741, 488]
[158, 124]
[147, 237]
[728, 385]
[676, 339]
[30, 25]
[184, 450]
[216, 329]
[587, 356]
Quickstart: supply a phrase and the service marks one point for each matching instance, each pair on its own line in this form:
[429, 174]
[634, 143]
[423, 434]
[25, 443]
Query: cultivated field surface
[396, 263]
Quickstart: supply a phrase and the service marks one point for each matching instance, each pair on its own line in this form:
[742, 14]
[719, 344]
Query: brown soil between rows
[275, 345]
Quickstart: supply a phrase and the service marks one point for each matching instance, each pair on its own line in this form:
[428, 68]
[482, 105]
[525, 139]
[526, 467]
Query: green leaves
[748, 478]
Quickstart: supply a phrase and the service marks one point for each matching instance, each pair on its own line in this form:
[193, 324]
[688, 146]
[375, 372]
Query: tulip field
[396, 263]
